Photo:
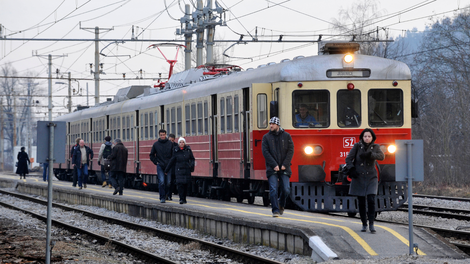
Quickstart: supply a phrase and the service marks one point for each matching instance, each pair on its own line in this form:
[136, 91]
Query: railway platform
[323, 236]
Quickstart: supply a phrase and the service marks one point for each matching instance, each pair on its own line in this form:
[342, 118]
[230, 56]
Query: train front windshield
[311, 108]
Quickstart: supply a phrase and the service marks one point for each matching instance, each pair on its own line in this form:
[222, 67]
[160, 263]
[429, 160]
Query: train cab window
[262, 111]
[193, 119]
[179, 116]
[349, 108]
[150, 125]
[229, 114]
[206, 118]
[311, 109]
[235, 114]
[187, 116]
[385, 107]
[199, 118]
[222, 115]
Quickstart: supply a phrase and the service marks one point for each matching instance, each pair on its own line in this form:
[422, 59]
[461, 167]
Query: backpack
[106, 151]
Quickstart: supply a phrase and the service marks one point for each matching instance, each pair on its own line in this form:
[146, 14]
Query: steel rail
[212, 247]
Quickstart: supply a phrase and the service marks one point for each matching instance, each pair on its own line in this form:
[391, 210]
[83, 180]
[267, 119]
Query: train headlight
[313, 150]
[308, 150]
[348, 58]
[392, 148]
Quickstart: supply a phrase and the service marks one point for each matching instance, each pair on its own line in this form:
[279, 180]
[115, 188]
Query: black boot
[115, 191]
[364, 228]
[371, 227]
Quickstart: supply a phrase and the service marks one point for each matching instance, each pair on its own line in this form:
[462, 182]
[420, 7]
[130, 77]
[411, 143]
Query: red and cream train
[224, 112]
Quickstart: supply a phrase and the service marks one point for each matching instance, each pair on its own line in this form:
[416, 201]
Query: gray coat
[367, 181]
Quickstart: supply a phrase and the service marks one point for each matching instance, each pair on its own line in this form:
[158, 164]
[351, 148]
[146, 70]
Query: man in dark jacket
[118, 159]
[172, 187]
[160, 155]
[74, 170]
[81, 158]
[278, 150]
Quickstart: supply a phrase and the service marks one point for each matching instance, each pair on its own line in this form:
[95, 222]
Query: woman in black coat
[23, 161]
[183, 161]
[364, 182]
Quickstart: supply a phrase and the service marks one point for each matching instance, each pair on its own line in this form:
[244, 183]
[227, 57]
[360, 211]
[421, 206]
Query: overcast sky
[295, 19]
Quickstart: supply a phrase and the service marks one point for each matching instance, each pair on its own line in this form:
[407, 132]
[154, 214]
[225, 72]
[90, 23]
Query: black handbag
[107, 164]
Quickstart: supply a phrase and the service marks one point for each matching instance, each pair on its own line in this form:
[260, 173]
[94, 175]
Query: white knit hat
[275, 120]
[182, 138]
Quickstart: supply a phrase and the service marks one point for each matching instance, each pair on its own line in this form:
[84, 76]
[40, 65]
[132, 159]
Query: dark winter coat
[366, 181]
[77, 156]
[161, 152]
[278, 150]
[23, 161]
[183, 160]
[118, 158]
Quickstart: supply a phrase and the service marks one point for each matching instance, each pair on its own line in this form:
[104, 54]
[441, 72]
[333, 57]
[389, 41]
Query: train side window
[385, 107]
[188, 119]
[167, 122]
[262, 111]
[132, 127]
[206, 118]
[179, 116]
[222, 115]
[235, 113]
[349, 108]
[311, 108]
[229, 114]
[150, 125]
[156, 124]
[199, 118]
[146, 125]
[124, 128]
[118, 127]
[193, 119]
[128, 128]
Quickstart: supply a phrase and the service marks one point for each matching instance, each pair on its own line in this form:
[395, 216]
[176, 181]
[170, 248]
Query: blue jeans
[82, 174]
[45, 172]
[103, 174]
[112, 179]
[284, 190]
[163, 182]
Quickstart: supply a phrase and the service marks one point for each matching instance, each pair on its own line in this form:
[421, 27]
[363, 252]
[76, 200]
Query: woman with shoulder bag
[364, 181]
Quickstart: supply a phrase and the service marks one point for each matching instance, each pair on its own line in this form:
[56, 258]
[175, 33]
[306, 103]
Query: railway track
[450, 213]
[145, 255]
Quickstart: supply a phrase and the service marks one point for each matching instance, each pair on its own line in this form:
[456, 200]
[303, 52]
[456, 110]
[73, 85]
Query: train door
[214, 133]
[261, 96]
[161, 125]
[246, 129]
[137, 142]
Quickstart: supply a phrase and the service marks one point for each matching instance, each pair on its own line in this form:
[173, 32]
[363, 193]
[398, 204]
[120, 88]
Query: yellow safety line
[401, 238]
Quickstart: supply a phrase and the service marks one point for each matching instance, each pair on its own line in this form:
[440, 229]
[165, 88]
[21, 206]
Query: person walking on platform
[23, 161]
[74, 169]
[160, 155]
[81, 158]
[172, 187]
[278, 150]
[45, 171]
[183, 161]
[104, 152]
[118, 159]
[361, 165]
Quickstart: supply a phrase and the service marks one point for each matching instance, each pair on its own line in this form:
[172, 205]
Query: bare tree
[442, 73]
[357, 20]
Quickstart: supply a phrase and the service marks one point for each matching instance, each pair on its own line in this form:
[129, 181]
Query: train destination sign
[346, 74]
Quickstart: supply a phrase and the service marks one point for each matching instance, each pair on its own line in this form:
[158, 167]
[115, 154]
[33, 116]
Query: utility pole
[199, 34]
[210, 35]
[28, 118]
[69, 106]
[14, 124]
[188, 34]
[97, 72]
[2, 149]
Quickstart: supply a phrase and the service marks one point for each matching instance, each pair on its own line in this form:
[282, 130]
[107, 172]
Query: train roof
[193, 84]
